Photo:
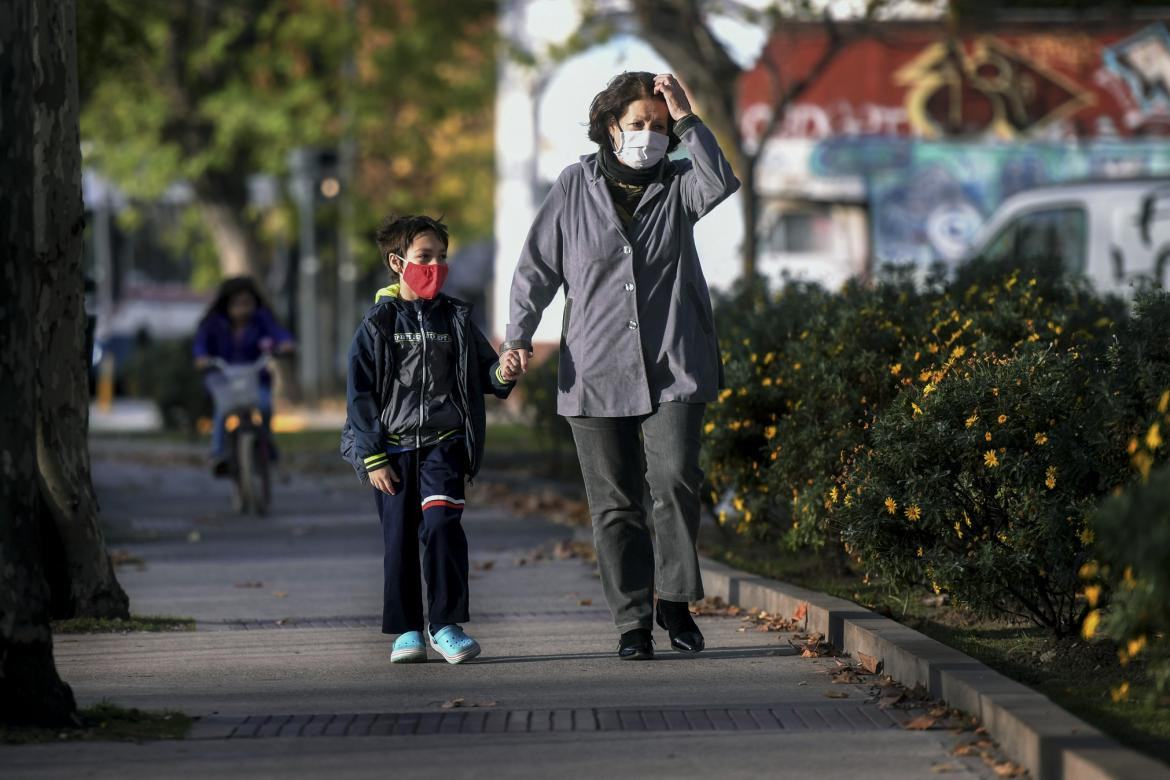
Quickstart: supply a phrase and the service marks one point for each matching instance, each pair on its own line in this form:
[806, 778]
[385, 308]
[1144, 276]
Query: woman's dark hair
[611, 103]
[231, 287]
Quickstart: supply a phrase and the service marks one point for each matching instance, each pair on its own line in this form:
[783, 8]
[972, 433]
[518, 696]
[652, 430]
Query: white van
[1113, 231]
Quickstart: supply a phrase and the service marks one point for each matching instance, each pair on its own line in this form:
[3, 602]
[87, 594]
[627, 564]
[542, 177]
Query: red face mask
[425, 280]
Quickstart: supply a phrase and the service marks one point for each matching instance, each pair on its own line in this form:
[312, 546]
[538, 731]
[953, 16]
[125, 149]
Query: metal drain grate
[374, 621]
[794, 717]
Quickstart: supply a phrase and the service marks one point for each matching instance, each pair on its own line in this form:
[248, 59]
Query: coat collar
[600, 191]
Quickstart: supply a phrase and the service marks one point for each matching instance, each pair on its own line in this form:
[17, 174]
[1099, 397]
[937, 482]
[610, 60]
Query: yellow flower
[768, 358]
[1041, 439]
[1120, 693]
[935, 587]
[737, 502]
[1087, 536]
[754, 357]
[709, 427]
[1093, 594]
[891, 505]
[972, 420]
[796, 366]
[917, 409]
[747, 517]
[724, 394]
[930, 388]
[1131, 448]
[958, 529]
[1088, 570]
[987, 436]
[896, 369]
[1090, 625]
[1154, 437]
[933, 348]
[767, 381]
[722, 518]
[1002, 419]
[1050, 477]
[848, 499]
[1164, 402]
[1135, 646]
[990, 460]
[833, 494]
[995, 391]
[913, 512]
[770, 432]
[958, 352]
[919, 552]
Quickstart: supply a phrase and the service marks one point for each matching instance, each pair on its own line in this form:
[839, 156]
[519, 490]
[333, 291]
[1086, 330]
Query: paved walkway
[291, 677]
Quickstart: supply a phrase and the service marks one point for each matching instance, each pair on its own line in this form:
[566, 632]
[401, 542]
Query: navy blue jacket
[418, 372]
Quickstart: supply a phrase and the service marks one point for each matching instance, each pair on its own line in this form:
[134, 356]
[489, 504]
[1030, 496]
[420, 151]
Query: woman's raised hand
[675, 94]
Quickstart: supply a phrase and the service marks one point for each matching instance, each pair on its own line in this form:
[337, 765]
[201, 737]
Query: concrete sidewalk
[290, 675]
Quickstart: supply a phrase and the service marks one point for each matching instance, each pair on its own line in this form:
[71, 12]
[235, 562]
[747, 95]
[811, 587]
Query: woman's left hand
[675, 94]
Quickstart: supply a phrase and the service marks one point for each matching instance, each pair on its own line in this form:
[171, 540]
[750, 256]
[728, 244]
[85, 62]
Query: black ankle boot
[636, 645]
[675, 617]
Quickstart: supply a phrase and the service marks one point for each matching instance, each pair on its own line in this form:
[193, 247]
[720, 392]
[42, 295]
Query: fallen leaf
[845, 674]
[940, 769]
[831, 694]
[1007, 769]
[484, 565]
[801, 611]
[921, 723]
[451, 704]
[279, 593]
[250, 584]
[869, 663]
[964, 750]
[585, 603]
[890, 700]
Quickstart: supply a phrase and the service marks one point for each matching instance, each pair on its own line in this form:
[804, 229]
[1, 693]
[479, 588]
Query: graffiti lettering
[1143, 62]
[991, 89]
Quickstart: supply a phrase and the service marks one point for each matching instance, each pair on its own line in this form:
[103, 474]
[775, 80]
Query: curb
[1034, 732]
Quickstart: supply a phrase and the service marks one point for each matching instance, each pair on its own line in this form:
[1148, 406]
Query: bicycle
[249, 444]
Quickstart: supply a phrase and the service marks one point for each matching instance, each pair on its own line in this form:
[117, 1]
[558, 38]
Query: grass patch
[1077, 675]
[155, 623]
[106, 722]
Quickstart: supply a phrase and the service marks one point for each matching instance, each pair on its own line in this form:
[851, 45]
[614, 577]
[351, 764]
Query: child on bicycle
[237, 328]
[418, 372]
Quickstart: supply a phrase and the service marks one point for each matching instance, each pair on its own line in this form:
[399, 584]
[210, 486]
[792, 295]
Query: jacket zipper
[422, 391]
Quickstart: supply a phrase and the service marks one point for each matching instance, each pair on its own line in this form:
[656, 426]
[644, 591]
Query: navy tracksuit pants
[428, 509]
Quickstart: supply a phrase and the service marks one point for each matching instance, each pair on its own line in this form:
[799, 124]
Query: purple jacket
[215, 339]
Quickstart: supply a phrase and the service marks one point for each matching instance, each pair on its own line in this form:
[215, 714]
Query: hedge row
[958, 436]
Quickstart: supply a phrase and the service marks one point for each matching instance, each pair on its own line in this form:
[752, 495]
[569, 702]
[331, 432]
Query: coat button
[629, 286]
[632, 325]
[626, 249]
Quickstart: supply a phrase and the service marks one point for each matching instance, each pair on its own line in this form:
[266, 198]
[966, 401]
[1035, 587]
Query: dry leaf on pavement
[869, 663]
[920, 723]
[831, 694]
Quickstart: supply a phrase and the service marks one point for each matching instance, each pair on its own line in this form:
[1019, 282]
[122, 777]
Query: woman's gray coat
[637, 328]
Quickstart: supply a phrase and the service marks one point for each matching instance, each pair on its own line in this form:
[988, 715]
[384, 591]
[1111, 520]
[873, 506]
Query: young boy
[418, 372]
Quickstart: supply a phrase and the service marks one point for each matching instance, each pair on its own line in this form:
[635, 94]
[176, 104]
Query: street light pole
[302, 163]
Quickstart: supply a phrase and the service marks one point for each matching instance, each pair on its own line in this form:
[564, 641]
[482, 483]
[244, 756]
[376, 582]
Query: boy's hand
[384, 478]
[514, 361]
[511, 366]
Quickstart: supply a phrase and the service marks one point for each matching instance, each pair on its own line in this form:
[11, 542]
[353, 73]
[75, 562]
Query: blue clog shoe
[454, 645]
[409, 649]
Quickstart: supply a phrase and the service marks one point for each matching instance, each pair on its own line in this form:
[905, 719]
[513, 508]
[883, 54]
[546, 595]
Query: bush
[809, 371]
[165, 372]
[982, 485]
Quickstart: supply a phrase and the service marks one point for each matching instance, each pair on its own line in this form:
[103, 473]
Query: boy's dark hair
[611, 103]
[396, 234]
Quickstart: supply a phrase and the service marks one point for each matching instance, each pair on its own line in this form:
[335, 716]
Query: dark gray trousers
[639, 552]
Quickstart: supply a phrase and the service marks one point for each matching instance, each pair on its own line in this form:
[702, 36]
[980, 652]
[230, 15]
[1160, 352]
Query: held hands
[384, 478]
[513, 363]
[675, 94]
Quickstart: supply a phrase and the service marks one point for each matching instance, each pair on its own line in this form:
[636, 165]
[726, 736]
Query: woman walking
[639, 358]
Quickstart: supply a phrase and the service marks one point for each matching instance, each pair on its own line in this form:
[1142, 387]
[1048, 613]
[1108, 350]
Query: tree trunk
[751, 218]
[79, 568]
[232, 236]
[31, 692]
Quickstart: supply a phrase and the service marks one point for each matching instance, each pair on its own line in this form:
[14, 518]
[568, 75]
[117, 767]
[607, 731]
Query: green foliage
[107, 722]
[153, 623]
[538, 391]
[808, 372]
[211, 93]
[983, 486]
[164, 371]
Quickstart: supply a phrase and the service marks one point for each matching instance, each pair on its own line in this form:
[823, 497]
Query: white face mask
[642, 148]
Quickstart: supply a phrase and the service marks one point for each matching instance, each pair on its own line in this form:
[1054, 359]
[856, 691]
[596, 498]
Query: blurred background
[268, 138]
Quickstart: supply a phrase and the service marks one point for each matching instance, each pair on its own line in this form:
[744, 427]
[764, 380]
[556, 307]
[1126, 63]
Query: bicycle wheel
[261, 475]
[245, 471]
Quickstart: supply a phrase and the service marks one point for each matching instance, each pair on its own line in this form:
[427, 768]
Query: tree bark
[79, 567]
[31, 692]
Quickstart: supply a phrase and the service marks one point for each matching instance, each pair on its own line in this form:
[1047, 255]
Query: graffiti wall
[938, 135]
